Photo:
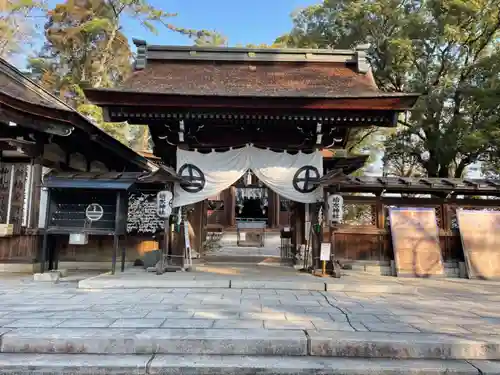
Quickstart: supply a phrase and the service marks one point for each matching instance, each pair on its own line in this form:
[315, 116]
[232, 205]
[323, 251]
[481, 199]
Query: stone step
[245, 259]
[76, 364]
[251, 342]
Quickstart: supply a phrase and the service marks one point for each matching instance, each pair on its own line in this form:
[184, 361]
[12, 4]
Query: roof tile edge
[147, 52]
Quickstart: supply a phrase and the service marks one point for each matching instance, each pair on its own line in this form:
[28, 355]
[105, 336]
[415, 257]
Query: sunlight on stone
[208, 315]
[219, 271]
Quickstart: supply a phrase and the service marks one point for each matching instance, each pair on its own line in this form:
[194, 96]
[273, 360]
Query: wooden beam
[107, 98]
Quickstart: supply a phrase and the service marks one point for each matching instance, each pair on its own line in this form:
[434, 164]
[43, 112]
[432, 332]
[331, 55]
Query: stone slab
[103, 282]
[137, 323]
[162, 341]
[34, 323]
[238, 365]
[52, 277]
[88, 323]
[75, 364]
[487, 367]
[238, 324]
[403, 345]
[389, 327]
[189, 323]
[289, 285]
[371, 288]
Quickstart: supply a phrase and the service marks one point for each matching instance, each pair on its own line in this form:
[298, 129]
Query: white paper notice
[325, 251]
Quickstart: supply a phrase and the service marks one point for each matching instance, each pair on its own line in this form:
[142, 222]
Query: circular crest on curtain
[306, 179]
[194, 179]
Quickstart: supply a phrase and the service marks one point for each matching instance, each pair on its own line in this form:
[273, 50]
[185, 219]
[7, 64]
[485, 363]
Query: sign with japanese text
[336, 208]
[415, 240]
[326, 250]
[480, 233]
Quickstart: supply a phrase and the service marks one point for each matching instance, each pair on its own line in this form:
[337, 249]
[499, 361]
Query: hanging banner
[480, 233]
[415, 240]
[295, 177]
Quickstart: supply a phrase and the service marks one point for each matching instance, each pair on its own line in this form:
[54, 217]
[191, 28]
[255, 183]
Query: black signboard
[90, 211]
[142, 217]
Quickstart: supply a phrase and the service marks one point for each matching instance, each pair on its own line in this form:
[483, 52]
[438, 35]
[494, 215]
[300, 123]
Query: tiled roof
[416, 185]
[251, 79]
[13, 83]
[218, 71]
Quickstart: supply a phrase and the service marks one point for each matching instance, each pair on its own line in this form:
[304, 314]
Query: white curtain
[219, 170]
[277, 171]
[293, 177]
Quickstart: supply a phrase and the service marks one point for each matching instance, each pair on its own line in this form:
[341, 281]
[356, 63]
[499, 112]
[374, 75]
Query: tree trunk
[102, 68]
[444, 171]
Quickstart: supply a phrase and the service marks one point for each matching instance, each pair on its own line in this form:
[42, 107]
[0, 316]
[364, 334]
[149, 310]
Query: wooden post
[45, 234]
[116, 237]
[380, 221]
[273, 207]
[229, 196]
[115, 253]
[124, 254]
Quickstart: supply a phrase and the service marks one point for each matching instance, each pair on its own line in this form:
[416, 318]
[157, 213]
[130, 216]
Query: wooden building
[40, 132]
[210, 98]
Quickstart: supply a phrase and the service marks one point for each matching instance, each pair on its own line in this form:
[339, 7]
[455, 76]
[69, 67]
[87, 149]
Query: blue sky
[255, 21]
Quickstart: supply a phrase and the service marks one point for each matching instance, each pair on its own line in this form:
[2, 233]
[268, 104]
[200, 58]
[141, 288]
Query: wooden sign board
[480, 233]
[415, 240]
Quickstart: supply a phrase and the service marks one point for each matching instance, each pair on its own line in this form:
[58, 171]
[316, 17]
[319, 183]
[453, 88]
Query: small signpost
[164, 210]
[324, 255]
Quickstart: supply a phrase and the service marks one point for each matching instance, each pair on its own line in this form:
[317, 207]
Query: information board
[415, 240]
[325, 252]
[480, 233]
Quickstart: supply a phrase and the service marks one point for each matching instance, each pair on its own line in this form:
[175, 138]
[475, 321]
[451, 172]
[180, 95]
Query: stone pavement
[367, 319]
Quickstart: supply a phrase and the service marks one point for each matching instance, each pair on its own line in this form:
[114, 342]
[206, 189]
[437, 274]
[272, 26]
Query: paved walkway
[361, 324]
[418, 306]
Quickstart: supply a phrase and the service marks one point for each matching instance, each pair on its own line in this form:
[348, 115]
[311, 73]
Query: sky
[242, 22]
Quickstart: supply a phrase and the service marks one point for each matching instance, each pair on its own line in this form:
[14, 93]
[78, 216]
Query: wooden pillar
[447, 252]
[229, 206]
[380, 212]
[297, 222]
[380, 221]
[196, 221]
[273, 208]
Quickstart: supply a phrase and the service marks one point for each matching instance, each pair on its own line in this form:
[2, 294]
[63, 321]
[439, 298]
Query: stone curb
[96, 283]
[149, 341]
[101, 282]
[403, 345]
[251, 342]
[76, 364]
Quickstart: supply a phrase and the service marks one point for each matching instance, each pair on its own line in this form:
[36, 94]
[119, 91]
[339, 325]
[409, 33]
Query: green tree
[214, 39]
[85, 46]
[16, 31]
[448, 50]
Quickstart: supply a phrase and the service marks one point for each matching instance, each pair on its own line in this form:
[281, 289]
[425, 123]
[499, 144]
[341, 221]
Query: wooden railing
[371, 243]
